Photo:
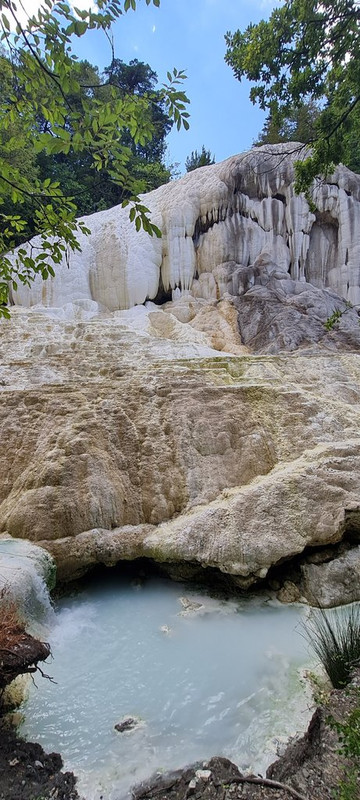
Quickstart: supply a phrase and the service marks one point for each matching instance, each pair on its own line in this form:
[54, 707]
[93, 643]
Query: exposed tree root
[268, 782]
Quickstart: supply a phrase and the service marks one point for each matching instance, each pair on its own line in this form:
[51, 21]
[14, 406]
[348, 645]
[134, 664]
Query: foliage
[201, 159]
[333, 319]
[47, 105]
[306, 50]
[348, 733]
[137, 78]
[95, 191]
[298, 126]
[349, 787]
[335, 639]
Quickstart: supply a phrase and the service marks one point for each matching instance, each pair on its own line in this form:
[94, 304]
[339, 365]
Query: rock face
[335, 581]
[123, 445]
[216, 222]
[187, 433]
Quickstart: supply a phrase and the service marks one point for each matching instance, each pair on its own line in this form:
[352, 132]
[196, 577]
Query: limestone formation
[216, 222]
[335, 581]
[188, 433]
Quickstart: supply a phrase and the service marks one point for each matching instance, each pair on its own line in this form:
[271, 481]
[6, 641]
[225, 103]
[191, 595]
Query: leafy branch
[45, 98]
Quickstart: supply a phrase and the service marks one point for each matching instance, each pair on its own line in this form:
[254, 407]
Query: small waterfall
[27, 572]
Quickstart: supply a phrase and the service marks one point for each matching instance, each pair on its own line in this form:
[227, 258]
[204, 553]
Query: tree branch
[53, 76]
[343, 117]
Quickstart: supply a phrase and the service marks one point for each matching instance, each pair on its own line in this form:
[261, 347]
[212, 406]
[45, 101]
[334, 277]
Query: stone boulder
[277, 313]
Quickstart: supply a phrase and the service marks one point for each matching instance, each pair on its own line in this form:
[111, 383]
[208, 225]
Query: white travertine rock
[27, 574]
[127, 440]
[231, 212]
[137, 430]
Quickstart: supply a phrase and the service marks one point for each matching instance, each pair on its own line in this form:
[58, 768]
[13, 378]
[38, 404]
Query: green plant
[318, 61]
[330, 322]
[199, 159]
[348, 732]
[334, 636]
[49, 108]
[348, 788]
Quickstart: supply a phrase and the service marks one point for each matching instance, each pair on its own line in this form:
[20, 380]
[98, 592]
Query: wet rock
[203, 779]
[289, 593]
[27, 772]
[166, 629]
[335, 582]
[189, 606]
[128, 724]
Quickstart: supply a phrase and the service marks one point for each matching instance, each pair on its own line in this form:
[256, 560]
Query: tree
[77, 117]
[97, 191]
[139, 79]
[201, 159]
[307, 50]
[146, 162]
[299, 126]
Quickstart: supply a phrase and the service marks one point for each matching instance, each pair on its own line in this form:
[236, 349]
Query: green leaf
[5, 22]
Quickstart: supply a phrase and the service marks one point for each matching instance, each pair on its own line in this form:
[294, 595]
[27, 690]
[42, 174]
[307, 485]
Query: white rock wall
[228, 212]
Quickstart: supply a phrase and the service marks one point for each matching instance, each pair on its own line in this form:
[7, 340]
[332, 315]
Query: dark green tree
[298, 126]
[201, 159]
[93, 191]
[146, 162]
[308, 49]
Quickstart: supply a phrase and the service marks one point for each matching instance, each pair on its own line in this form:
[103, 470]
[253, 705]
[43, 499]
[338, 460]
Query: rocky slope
[218, 431]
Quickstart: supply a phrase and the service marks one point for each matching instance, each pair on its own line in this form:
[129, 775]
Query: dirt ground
[28, 773]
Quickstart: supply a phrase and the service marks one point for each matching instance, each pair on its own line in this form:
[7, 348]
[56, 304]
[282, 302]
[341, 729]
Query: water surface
[224, 680]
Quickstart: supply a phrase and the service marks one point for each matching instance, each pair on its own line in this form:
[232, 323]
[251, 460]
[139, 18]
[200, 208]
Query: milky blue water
[224, 680]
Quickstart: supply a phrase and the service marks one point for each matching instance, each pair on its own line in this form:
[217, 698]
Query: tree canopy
[197, 159]
[298, 126]
[308, 50]
[94, 190]
[54, 107]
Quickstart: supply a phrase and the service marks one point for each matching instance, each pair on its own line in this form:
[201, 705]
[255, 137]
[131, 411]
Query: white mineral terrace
[215, 220]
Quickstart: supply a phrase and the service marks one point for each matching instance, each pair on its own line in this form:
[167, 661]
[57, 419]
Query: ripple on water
[221, 679]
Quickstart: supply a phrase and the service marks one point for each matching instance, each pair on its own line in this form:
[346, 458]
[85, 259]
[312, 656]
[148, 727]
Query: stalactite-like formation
[224, 214]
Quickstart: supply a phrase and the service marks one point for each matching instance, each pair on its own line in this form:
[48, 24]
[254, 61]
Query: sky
[189, 35]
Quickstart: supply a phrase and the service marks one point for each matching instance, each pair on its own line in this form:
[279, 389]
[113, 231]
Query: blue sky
[189, 34]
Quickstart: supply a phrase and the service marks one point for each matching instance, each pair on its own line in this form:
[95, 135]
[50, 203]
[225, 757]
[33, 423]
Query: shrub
[331, 321]
[334, 637]
[348, 732]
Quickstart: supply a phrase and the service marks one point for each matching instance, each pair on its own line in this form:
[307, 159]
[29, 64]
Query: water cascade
[198, 675]
[27, 574]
